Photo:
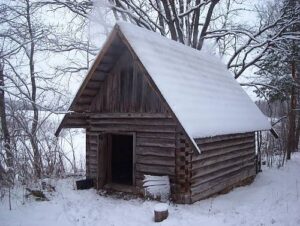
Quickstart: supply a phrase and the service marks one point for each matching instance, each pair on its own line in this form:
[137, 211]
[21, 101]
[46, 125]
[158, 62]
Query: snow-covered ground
[273, 199]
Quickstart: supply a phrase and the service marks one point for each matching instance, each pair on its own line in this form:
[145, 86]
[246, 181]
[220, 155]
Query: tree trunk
[206, 23]
[4, 127]
[37, 161]
[297, 131]
[291, 142]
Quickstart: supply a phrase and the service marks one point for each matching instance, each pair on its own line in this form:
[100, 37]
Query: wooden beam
[98, 59]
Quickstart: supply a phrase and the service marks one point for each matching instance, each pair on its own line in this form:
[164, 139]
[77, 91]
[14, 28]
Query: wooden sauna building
[152, 106]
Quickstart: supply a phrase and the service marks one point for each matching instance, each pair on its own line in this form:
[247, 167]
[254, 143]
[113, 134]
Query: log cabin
[153, 106]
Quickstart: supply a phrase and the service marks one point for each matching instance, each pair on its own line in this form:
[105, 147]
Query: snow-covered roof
[199, 89]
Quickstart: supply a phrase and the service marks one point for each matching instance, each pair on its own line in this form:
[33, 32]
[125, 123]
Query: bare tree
[33, 91]
[277, 68]
[4, 127]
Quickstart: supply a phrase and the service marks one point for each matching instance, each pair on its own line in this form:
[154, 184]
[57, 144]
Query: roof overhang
[103, 63]
[90, 86]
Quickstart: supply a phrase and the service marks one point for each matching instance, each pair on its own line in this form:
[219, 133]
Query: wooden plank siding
[126, 89]
[224, 161]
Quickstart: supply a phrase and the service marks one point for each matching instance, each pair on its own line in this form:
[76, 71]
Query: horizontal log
[220, 185]
[90, 92]
[222, 166]
[155, 160]
[133, 121]
[154, 169]
[224, 144]
[127, 115]
[223, 157]
[93, 141]
[213, 176]
[170, 136]
[223, 150]
[93, 85]
[93, 162]
[84, 99]
[93, 136]
[91, 154]
[200, 141]
[157, 151]
[155, 142]
[81, 107]
[91, 150]
[133, 128]
[93, 168]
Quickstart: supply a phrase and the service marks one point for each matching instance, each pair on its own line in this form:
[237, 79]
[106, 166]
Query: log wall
[184, 153]
[224, 162]
[127, 103]
[91, 154]
[155, 143]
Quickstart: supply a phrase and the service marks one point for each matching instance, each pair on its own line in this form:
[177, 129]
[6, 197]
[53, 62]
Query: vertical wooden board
[126, 89]
[87, 145]
[122, 91]
[118, 92]
[134, 159]
[135, 88]
[109, 157]
[102, 160]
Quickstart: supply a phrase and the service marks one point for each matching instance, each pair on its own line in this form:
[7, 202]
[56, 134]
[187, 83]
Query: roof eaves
[89, 74]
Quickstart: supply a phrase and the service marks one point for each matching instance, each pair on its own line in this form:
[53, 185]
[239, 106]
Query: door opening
[122, 159]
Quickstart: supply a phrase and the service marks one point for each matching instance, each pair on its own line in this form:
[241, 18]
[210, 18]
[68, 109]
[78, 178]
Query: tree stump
[160, 212]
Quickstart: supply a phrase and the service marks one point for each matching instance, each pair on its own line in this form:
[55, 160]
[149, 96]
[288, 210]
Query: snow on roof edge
[135, 34]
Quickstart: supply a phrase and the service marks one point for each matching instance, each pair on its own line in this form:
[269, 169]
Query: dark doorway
[121, 159]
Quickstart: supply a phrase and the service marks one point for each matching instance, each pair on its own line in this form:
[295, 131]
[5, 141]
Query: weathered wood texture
[126, 102]
[126, 89]
[103, 64]
[155, 151]
[91, 154]
[183, 168]
[224, 162]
